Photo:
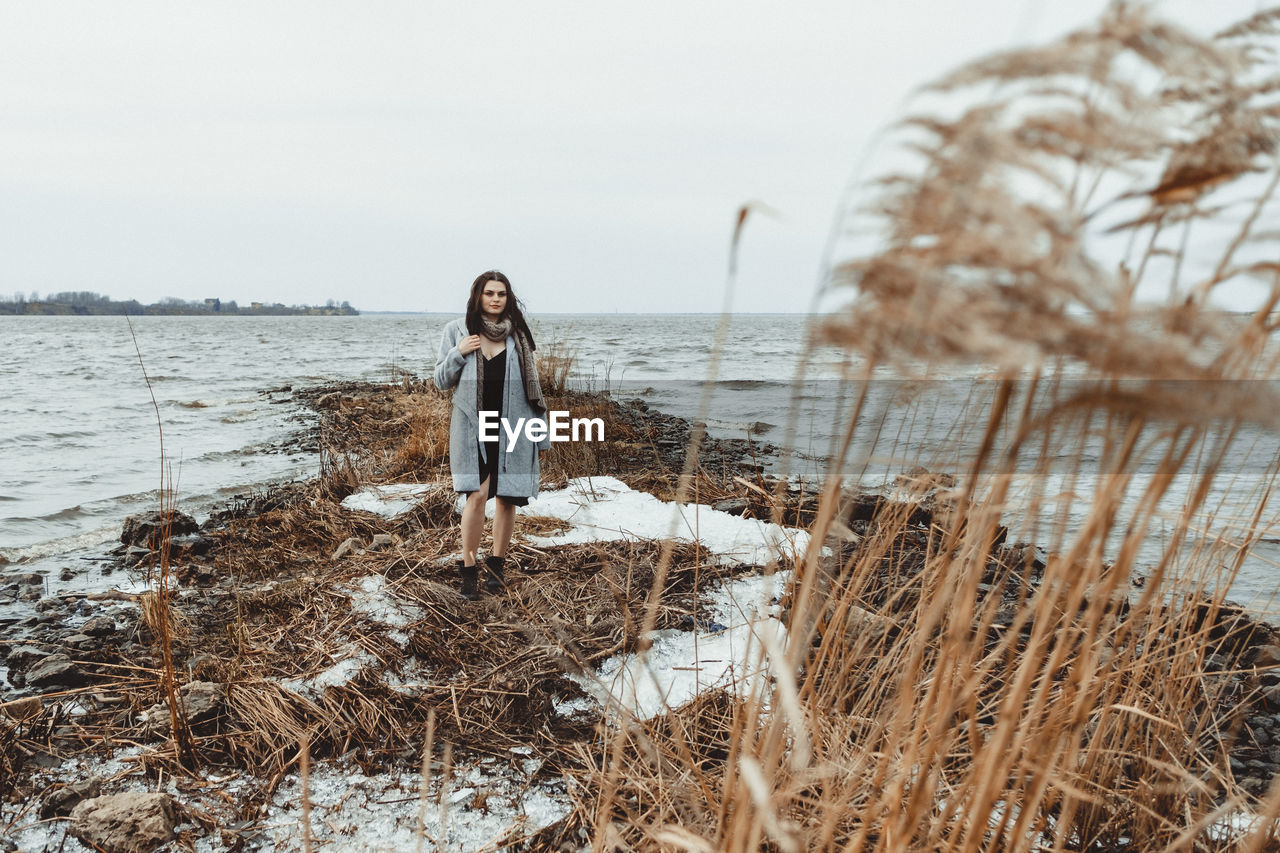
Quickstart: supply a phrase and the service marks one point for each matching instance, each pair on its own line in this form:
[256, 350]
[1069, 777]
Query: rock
[144, 531]
[55, 669]
[1266, 656]
[204, 575]
[64, 799]
[28, 579]
[733, 506]
[1271, 698]
[79, 641]
[382, 540]
[134, 556]
[125, 823]
[155, 721]
[202, 700]
[22, 709]
[23, 656]
[99, 626]
[67, 573]
[194, 543]
[351, 546]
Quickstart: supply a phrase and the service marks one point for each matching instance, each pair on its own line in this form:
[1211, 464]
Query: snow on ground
[724, 653]
[388, 501]
[348, 663]
[372, 598]
[603, 509]
[487, 800]
[680, 664]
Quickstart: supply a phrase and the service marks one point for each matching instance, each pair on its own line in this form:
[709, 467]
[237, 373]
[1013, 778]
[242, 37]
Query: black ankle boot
[495, 581]
[469, 574]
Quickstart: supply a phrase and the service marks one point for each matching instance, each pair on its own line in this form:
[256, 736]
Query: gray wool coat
[517, 469]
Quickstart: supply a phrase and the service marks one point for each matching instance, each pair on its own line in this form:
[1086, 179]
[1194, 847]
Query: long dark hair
[512, 312]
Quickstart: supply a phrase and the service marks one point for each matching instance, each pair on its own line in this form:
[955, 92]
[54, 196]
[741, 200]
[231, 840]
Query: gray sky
[386, 152]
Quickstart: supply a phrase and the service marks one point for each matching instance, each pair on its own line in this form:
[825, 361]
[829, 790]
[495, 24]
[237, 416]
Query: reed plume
[946, 684]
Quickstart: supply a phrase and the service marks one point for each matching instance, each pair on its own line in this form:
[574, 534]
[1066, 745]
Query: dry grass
[943, 687]
[934, 694]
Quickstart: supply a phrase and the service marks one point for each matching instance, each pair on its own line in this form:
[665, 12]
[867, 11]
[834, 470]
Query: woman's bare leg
[473, 523]
[504, 521]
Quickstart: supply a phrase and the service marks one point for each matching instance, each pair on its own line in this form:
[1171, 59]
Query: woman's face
[493, 299]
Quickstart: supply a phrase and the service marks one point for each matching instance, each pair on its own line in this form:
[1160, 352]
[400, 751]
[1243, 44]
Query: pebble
[99, 626]
[55, 669]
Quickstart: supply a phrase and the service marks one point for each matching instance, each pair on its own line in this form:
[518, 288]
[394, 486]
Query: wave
[749, 384]
[86, 539]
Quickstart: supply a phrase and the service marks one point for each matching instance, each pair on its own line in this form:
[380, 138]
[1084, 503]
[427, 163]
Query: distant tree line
[84, 302]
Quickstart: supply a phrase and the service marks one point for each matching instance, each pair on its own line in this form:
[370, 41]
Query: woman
[487, 357]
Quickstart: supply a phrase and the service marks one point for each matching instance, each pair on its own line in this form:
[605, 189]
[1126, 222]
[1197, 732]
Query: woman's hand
[469, 344]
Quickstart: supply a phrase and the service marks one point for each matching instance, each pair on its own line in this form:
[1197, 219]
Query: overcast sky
[386, 152]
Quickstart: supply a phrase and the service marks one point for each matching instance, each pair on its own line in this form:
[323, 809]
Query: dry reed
[944, 689]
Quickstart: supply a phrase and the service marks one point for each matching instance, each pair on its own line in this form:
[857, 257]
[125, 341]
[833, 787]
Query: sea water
[81, 434]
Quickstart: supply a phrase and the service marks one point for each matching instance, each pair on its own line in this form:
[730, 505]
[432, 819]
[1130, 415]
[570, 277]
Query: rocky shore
[307, 638]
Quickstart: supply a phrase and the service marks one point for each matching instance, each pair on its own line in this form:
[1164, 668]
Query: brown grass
[931, 697]
[943, 688]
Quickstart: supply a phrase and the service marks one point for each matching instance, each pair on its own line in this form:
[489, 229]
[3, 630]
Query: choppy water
[79, 448]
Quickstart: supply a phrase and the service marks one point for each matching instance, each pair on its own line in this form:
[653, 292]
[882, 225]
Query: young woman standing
[487, 357]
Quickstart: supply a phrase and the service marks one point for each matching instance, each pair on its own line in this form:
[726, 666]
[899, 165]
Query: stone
[382, 540]
[125, 823]
[23, 656]
[64, 799]
[66, 574]
[144, 530]
[191, 544]
[54, 669]
[1266, 656]
[79, 641]
[154, 721]
[28, 579]
[22, 709]
[733, 506]
[350, 546]
[99, 626]
[202, 700]
[1271, 697]
[1216, 663]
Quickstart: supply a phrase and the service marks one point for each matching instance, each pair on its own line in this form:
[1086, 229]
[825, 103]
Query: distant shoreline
[135, 309]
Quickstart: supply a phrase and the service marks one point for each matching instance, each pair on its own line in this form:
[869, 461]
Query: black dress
[495, 377]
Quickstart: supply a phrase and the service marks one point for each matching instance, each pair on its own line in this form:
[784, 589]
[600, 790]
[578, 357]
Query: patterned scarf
[524, 351]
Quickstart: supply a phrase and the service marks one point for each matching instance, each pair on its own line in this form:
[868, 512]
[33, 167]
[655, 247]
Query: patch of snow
[388, 501]
[681, 664]
[413, 679]
[579, 705]
[603, 509]
[347, 667]
[487, 803]
[372, 598]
